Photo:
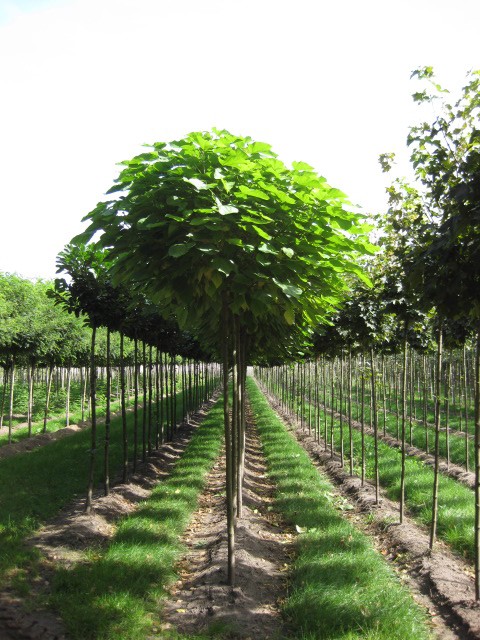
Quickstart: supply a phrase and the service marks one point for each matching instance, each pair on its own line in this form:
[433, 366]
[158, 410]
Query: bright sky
[84, 83]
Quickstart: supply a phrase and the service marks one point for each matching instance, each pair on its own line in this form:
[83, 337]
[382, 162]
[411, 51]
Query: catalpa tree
[219, 233]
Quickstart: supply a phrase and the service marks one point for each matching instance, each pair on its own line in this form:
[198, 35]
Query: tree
[220, 234]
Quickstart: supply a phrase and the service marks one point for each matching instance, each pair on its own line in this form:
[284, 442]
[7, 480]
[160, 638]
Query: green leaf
[198, 184]
[289, 316]
[262, 233]
[288, 252]
[179, 250]
[225, 209]
[290, 289]
[255, 193]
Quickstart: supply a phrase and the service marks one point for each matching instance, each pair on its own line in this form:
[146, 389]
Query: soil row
[201, 600]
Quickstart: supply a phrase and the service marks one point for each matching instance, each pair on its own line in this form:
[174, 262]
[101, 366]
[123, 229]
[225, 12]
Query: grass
[118, 595]
[456, 514]
[35, 485]
[340, 586]
[57, 422]
[456, 441]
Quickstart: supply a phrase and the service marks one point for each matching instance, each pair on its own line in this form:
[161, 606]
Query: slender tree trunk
[350, 434]
[404, 420]
[342, 460]
[448, 380]
[438, 389]
[145, 408]
[135, 403]
[47, 400]
[10, 409]
[362, 418]
[465, 399]
[93, 447]
[375, 426]
[67, 400]
[107, 419]
[31, 381]
[477, 467]
[228, 448]
[124, 409]
[150, 392]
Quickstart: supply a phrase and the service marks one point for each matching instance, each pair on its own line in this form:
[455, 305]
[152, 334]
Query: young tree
[218, 232]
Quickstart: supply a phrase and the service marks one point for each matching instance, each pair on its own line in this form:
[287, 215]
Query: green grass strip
[340, 586]
[35, 485]
[117, 596]
[58, 422]
[456, 441]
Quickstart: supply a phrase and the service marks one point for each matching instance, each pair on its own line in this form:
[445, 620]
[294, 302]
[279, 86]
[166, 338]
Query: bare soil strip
[443, 581]
[65, 538]
[201, 600]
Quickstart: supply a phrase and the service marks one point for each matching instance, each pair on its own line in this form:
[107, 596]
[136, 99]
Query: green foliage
[214, 218]
[33, 330]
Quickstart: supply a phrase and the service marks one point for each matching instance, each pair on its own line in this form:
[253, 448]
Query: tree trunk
[404, 420]
[124, 410]
[93, 384]
[47, 400]
[438, 389]
[477, 467]
[375, 426]
[10, 408]
[107, 420]
[228, 448]
[31, 379]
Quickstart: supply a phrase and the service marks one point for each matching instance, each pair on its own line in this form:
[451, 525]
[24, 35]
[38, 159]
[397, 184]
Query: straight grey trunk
[10, 408]
[107, 421]
[4, 394]
[350, 434]
[438, 389]
[404, 420]
[362, 418]
[47, 400]
[228, 448]
[124, 409]
[31, 380]
[465, 399]
[477, 467]
[93, 446]
[67, 400]
[375, 425]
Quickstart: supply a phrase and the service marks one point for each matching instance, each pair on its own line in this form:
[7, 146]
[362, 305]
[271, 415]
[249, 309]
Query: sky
[85, 83]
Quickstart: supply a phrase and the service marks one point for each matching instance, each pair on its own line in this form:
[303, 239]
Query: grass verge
[36, 484]
[118, 595]
[340, 586]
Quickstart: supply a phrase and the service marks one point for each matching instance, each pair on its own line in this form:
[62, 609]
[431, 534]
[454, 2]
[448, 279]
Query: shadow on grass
[115, 596]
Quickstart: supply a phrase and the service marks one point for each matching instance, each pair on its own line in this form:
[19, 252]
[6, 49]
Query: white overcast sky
[84, 83]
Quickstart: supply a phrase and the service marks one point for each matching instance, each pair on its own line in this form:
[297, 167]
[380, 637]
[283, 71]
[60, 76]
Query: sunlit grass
[36, 484]
[340, 586]
[119, 594]
[456, 514]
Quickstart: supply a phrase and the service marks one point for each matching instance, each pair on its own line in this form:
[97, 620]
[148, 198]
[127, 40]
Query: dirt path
[201, 600]
[441, 581]
[65, 538]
